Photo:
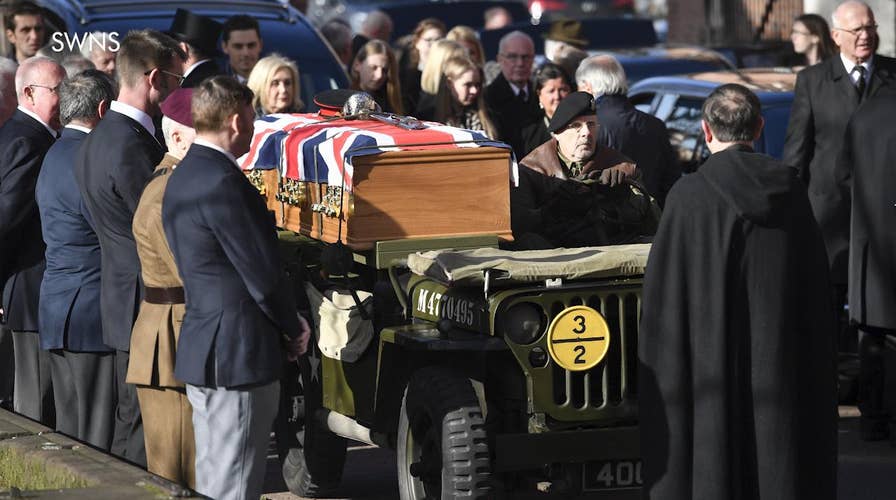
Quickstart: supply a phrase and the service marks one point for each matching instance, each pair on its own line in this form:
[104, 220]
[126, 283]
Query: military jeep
[492, 374]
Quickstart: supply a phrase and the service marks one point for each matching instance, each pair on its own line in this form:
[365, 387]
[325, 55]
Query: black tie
[860, 83]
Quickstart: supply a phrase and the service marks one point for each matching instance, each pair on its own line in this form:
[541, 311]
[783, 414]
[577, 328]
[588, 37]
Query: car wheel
[313, 467]
[442, 445]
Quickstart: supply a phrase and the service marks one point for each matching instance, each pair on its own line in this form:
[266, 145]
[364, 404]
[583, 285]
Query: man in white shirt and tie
[826, 96]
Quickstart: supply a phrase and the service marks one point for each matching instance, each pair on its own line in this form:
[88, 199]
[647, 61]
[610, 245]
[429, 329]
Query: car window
[682, 116]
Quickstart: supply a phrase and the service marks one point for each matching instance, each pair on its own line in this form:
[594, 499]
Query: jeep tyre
[442, 446]
[313, 468]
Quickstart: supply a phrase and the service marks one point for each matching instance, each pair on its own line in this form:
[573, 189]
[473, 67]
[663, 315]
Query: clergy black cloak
[737, 346]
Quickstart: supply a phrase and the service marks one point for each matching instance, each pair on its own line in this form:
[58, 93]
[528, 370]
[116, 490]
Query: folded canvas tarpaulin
[469, 266]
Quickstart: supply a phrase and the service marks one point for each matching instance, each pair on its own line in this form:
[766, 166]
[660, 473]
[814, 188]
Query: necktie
[860, 84]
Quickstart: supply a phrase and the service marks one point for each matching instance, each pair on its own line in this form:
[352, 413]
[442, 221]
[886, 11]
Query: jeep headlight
[523, 323]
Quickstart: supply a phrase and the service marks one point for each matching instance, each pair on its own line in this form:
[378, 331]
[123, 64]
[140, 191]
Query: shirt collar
[135, 114]
[516, 90]
[50, 129]
[849, 65]
[78, 127]
[228, 154]
[191, 68]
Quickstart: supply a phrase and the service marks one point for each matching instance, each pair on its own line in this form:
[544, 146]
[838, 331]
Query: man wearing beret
[569, 186]
[167, 425]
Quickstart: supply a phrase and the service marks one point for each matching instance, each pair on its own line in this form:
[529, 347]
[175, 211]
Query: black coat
[24, 142]
[511, 115]
[867, 161]
[823, 101]
[205, 70]
[643, 138]
[114, 164]
[535, 134]
[224, 243]
[737, 342]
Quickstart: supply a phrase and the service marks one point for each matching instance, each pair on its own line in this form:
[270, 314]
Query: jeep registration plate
[612, 475]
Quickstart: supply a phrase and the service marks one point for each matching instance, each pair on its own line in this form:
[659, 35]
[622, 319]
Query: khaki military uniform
[168, 428]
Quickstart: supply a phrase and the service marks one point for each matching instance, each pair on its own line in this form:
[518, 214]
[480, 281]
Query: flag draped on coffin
[302, 147]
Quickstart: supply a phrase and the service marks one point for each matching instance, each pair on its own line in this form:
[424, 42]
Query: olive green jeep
[492, 374]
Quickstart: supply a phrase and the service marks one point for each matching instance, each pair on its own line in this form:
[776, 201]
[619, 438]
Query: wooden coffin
[400, 194]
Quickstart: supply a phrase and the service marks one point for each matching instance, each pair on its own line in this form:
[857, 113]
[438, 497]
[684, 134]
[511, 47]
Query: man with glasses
[510, 95]
[24, 141]
[113, 165]
[826, 96]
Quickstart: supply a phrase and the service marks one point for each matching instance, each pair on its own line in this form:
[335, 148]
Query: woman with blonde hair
[467, 37]
[374, 71]
[275, 82]
[460, 101]
[438, 54]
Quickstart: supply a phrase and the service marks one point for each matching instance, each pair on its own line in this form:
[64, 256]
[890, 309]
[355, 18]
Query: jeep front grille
[609, 389]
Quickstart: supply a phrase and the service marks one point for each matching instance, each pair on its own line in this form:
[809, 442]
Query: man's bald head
[37, 86]
[854, 30]
[516, 52]
[377, 25]
[32, 69]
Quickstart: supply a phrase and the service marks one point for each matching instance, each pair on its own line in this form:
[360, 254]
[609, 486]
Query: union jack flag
[304, 147]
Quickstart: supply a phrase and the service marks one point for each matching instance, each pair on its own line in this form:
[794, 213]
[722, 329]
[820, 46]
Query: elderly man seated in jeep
[573, 194]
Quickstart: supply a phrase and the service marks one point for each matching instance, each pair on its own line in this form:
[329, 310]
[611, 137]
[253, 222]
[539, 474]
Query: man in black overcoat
[825, 97]
[634, 133]
[24, 141]
[510, 97]
[737, 344]
[867, 162]
[113, 165]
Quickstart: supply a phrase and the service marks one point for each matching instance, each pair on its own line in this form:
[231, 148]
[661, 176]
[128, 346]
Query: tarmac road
[867, 471]
[369, 474]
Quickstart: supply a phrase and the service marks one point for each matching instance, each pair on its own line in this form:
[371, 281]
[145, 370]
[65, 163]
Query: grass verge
[27, 473]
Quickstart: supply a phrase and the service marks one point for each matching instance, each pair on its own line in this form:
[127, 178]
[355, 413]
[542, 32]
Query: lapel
[882, 76]
[141, 132]
[837, 74]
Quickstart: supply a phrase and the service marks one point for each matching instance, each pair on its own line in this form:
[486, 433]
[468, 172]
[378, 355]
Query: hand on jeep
[297, 346]
[617, 173]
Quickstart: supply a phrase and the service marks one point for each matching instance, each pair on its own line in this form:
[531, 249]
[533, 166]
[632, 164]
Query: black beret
[571, 107]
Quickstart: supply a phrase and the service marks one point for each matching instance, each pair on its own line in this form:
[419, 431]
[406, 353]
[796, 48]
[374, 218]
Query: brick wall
[729, 21]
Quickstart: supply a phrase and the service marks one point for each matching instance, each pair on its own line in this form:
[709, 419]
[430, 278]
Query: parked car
[602, 33]
[406, 14]
[678, 101]
[284, 30]
[646, 62]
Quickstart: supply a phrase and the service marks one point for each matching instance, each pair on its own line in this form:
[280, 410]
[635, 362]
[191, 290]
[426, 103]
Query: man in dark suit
[229, 350]
[113, 165]
[241, 42]
[198, 37]
[634, 133]
[867, 162]
[510, 97]
[825, 97]
[24, 140]
[82, 367]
